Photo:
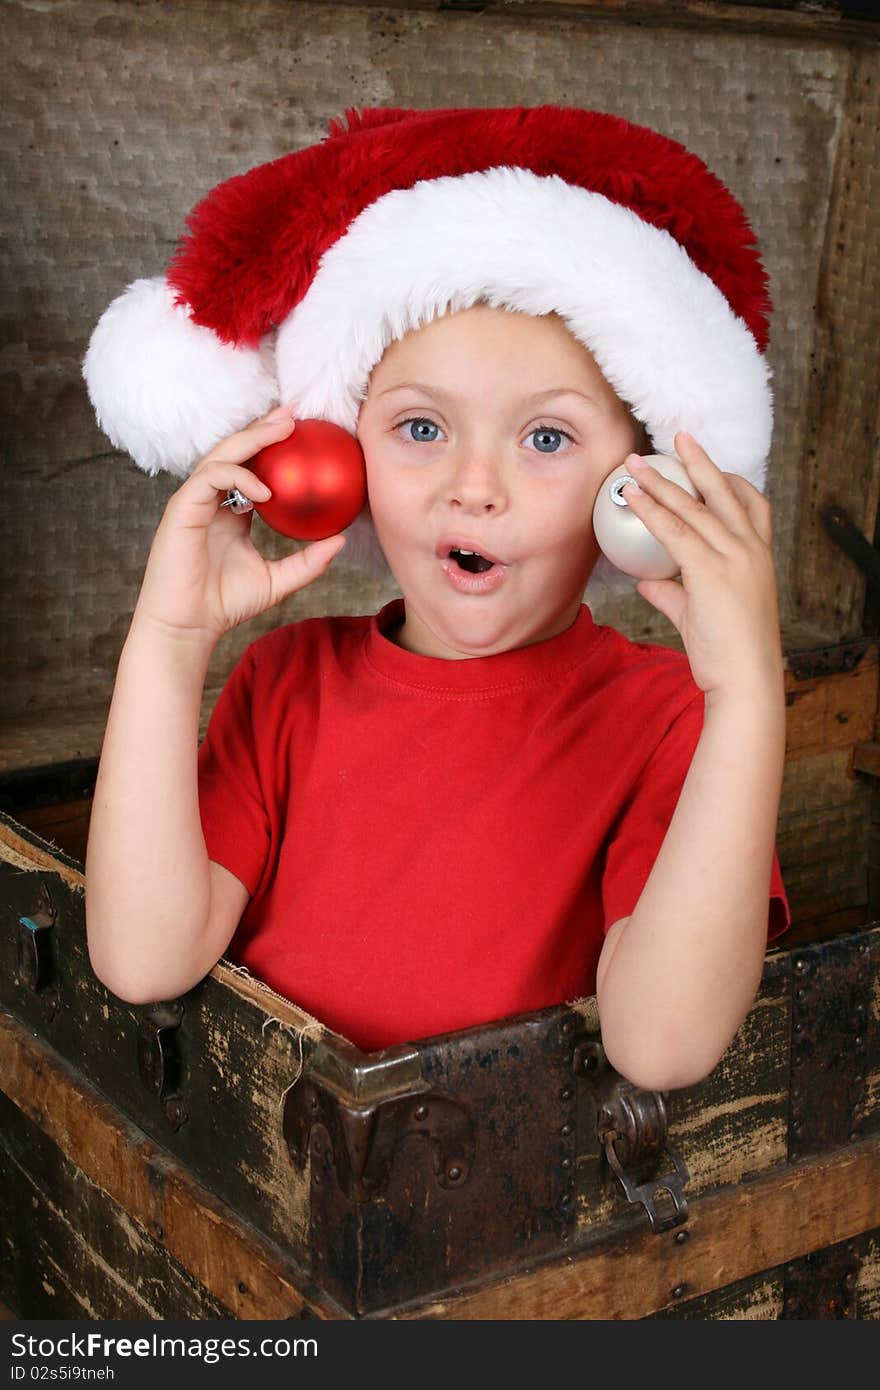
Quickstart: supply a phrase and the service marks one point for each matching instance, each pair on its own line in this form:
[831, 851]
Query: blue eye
[420, 436]
[421, 430]
[548, 438]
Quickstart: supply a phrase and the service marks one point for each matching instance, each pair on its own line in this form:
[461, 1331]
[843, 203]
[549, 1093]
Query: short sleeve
[235, 822]
[641, 829]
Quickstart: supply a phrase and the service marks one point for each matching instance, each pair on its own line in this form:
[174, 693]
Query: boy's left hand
[726, 606]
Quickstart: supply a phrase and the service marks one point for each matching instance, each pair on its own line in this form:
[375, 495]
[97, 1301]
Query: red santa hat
[295, 277]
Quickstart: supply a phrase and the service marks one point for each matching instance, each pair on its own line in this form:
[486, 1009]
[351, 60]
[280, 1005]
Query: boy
[414, 822]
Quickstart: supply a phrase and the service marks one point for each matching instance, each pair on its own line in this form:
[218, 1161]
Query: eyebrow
[535, 399]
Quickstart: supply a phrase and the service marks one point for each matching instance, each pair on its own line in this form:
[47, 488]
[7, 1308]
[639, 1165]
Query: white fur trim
[164, 389]
[661, 331]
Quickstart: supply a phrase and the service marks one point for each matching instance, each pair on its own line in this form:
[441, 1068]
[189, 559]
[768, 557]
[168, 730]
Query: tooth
[466, 552]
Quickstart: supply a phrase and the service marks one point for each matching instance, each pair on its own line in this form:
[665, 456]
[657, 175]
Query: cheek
[388, 495]
[377, 474]
[565, 516]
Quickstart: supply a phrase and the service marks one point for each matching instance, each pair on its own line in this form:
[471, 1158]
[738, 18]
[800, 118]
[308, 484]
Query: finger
[713, 485]
[238, 448]
[666, 595]
[207, 489]
[303, 567]
[675, 518]
[755, 503]
[672, 508]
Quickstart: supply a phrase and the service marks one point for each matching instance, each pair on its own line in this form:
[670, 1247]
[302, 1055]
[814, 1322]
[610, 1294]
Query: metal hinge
[632, 1128]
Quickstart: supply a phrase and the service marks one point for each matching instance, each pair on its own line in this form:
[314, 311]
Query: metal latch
[632, 1128]
[159, 1060]
[36, 967]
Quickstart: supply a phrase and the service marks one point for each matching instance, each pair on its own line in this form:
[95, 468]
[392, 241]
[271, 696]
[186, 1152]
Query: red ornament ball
[318, 481]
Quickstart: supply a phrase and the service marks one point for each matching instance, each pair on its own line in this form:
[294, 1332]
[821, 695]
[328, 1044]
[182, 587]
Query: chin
[482, 634]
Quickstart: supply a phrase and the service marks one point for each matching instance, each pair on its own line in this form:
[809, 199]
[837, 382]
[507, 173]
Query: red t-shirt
[432, 844]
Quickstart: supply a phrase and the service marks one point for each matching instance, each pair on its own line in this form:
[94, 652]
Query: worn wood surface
[835, 711]
[240, 1046]
[785, 18]
[732, 1234]
[868, 1288]
[836, 1283]
[65, 824]
[229, 1258]
[756, 1299]
[70, 1250]
[121, 1227]
[842, 407]
[823, 835]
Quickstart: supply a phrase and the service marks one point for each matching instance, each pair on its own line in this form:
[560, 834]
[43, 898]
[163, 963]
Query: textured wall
[119, 116]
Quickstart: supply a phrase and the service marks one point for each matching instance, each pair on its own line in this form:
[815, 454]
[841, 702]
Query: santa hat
[296, 276]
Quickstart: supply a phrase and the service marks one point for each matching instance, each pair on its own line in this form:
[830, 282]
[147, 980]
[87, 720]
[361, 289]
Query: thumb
[666, 596]
[303, 567]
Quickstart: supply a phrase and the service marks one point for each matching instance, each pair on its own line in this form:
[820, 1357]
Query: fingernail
[637, 461]
[279, 413]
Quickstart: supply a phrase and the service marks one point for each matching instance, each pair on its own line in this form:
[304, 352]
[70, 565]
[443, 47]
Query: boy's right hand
[204, 575]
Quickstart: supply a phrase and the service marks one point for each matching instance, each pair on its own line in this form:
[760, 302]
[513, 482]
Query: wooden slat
[226, 1255]
[24, 850]
[781, 17]
[70, 1251]
[831, 711]
[840, 407]
[731, 1234]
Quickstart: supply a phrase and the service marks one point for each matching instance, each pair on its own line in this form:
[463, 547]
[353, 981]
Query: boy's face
[489, 431]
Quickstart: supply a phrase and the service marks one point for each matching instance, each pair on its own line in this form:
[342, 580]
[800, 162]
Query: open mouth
[468, 570]
[470, 561]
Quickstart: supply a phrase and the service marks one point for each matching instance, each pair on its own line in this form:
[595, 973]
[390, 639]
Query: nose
[477, 484]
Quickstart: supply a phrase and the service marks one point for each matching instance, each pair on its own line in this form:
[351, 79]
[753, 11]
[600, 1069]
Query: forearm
[147, 874]
[676, 984]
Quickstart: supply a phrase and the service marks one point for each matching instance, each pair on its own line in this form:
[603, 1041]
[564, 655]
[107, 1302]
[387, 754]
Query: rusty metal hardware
[632, 1128]
[830, 660]
[830, 1015]
[159, 1061]
[844, 532]
[824, 1284]
[359, 1140]
[35, 966]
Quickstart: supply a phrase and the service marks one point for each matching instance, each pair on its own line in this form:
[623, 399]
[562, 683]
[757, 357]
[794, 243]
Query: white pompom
[166, 390]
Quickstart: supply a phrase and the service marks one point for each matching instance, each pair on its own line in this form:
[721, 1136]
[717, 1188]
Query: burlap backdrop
[119, 116]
